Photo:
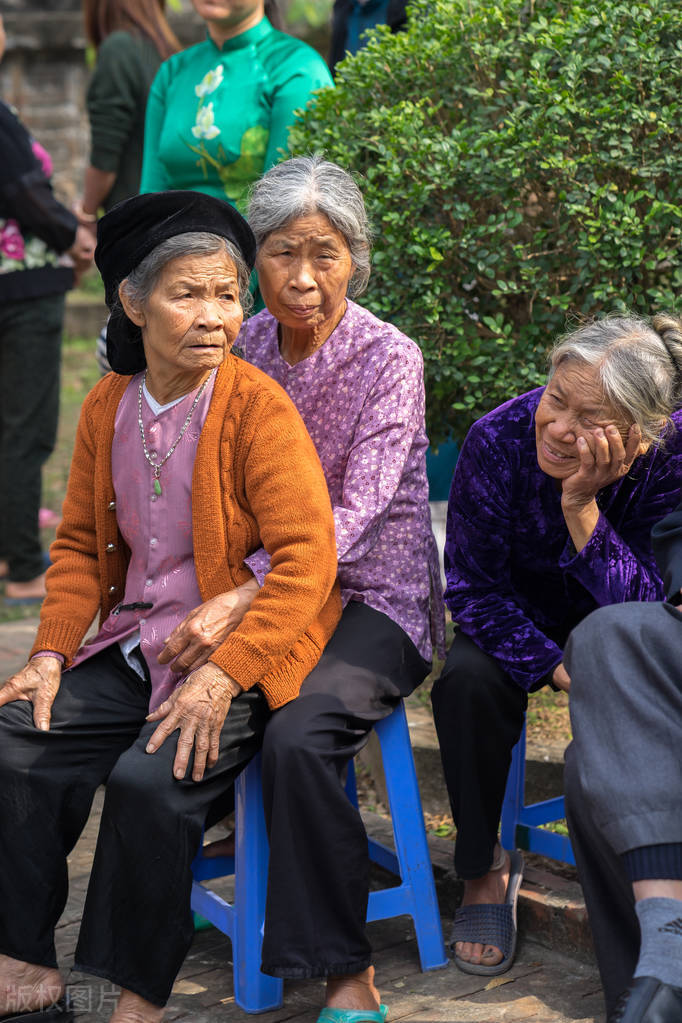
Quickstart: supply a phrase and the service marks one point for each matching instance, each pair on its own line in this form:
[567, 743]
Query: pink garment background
[11, 239]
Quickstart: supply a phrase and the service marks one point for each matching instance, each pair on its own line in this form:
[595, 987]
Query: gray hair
[639, 364]
[311, 184]
[143, 279]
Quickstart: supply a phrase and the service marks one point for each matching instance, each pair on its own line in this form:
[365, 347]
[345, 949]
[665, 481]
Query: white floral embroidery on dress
[36, 253]
[205, 128]
[210, 82]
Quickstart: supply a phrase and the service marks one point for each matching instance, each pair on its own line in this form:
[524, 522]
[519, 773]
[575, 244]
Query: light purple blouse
[157, 529]
[361, 397]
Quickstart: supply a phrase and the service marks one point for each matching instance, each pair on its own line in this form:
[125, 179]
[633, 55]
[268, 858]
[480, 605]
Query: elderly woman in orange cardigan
[186, 461]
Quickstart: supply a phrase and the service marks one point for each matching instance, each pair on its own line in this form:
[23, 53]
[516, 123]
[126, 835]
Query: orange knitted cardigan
[257, 481]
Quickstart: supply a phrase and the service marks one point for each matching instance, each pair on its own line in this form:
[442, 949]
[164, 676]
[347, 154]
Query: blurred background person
[350, 18]
[196, 135]
[132, 38]
[35, 230]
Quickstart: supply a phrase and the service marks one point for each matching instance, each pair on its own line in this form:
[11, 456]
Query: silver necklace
[157, 466]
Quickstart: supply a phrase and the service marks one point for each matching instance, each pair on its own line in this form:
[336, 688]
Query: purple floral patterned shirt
[361, 396]
[515, 583]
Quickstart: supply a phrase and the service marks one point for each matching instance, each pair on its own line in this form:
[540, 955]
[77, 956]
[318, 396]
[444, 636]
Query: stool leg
[351, 784]
[514, 793]
[410, 836]
[254, 991]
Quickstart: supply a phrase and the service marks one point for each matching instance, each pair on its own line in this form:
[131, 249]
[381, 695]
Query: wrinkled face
[229, 13]
[193, 315]
[303, 273]
[572, 406]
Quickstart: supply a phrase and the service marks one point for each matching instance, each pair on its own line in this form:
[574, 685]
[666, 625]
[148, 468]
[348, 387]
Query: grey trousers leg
[625, 663]
[607, 889]
[623, 778]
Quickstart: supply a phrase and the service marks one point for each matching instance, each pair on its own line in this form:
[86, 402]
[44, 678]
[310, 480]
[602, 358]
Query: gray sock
[660, 954]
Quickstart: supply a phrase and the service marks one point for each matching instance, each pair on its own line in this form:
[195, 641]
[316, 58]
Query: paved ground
[544, 986]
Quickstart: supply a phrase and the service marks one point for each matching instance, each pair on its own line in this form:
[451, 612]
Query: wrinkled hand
[561, 678]
[37, 683]
[603, 460]
[198, 708]
[193, 641]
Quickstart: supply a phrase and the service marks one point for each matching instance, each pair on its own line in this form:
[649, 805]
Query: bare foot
[484, 890]
[25, 987]
[221, 847]
[133, 1008]
[32, 588]
[356, 991]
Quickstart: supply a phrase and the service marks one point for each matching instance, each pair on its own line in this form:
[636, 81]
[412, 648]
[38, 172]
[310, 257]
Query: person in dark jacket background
[351, 18]
[131, 37]
[35, 233]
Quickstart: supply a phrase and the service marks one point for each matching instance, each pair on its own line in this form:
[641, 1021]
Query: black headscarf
[133, 229]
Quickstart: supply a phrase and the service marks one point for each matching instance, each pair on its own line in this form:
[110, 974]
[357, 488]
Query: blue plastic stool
[521, 824]
[242, 921]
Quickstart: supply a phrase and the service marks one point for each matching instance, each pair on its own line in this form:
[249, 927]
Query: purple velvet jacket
[515, 584]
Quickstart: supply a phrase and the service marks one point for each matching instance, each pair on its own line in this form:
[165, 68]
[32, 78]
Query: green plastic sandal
[353, 1015]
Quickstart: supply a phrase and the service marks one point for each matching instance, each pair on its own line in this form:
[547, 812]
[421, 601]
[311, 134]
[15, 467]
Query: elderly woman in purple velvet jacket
[550, 513]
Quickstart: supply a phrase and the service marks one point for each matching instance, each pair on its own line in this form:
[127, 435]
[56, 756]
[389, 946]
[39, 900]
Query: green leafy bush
[522, 165]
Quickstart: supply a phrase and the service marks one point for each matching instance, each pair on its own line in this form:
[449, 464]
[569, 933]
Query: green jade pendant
[157, 486]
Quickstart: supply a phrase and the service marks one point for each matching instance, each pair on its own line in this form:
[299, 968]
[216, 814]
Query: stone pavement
[16, 640]
[546, 984]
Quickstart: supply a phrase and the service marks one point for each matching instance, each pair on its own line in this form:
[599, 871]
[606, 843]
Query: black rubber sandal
[491, 924]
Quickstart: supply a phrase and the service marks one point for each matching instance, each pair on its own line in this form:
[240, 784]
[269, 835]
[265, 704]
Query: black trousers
[478, 712]
[137, 924]
[318, 885]
[30, 347]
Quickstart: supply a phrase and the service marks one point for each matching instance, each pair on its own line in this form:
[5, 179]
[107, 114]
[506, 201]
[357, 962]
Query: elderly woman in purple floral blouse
[358, 384]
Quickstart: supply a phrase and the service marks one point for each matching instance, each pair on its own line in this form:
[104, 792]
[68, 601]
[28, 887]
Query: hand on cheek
[603, 459]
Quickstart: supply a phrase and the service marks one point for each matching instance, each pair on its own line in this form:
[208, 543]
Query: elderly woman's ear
[644, 442]
[133, 310]
[645, 445]
[635, 444]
